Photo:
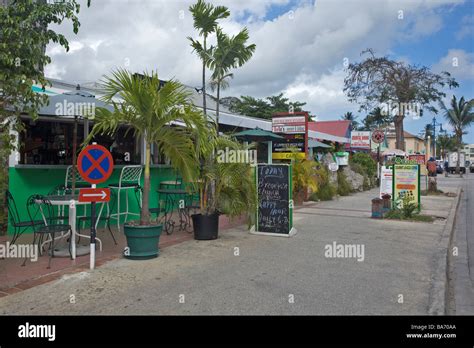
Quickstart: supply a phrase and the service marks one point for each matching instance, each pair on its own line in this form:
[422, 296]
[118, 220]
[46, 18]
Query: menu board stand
[274, 216]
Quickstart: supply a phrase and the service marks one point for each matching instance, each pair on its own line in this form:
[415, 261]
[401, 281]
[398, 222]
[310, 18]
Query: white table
[72, 201]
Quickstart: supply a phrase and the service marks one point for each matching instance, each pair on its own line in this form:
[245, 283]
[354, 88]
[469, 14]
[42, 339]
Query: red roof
[339, 128]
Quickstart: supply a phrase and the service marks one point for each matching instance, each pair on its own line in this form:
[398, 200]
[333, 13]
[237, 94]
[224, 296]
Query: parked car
[439, 168]
[471, 167]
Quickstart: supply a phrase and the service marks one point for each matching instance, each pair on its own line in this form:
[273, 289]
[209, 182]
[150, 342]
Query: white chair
[129, 180]
[80, 183]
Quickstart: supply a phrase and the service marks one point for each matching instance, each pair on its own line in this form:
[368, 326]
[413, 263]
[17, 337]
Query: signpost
[378, 136]
[95, 165]
[406, 183]
[294, 128]
[360, 140]
[275, 205]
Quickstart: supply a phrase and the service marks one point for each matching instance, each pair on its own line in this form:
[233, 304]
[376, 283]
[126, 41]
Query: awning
[257, 134]
[314, 143]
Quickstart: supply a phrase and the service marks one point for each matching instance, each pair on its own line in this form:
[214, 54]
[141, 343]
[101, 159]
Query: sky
[302, 49]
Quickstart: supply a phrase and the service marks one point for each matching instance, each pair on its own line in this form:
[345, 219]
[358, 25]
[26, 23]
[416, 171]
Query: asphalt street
[240, 273]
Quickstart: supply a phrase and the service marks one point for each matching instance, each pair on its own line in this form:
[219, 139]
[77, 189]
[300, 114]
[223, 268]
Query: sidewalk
[208, 277]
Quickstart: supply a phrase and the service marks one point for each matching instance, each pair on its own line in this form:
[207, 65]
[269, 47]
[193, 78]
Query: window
[51, 143]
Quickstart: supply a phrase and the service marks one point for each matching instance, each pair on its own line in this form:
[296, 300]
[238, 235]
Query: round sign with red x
[95, 164]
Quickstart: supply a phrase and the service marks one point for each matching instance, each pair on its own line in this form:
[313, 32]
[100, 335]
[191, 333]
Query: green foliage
[376, 119]
[325, 193]
[305, 176]
[408, 207]
[398, 215]
[148, 109]
[24, 35]
[228, 188]
[366, 162]
[344, 188]
[265, 108]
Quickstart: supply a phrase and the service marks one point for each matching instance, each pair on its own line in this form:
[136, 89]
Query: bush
[369, 166]
[325, 193]
[343, 186]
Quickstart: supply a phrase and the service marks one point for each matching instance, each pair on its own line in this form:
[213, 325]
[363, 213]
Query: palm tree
[349, 116]
[205, 18]
[230, 52]
[148, 110]
[460, 117]
[445, 143]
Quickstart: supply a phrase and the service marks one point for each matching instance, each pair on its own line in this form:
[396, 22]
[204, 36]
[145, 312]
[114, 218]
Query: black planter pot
[206, 227]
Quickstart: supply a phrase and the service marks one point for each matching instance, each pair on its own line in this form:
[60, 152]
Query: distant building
[469, 151]
[413, 143]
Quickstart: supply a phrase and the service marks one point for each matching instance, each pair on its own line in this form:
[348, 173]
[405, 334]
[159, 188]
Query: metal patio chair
[39, 206]
[19, 226]
[130, 177]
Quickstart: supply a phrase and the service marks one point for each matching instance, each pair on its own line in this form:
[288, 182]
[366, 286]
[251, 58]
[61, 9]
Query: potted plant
[226, 186]
[147, 108]
[304, 178]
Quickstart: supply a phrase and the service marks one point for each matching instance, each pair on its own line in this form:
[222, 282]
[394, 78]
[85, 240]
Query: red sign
[420, 159]
[378, 136]
[94, 195]
[95, 164]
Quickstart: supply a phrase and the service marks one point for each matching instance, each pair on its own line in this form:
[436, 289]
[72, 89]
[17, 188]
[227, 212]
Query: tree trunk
[204, 107]
[399, 136]
[217, 106]
[145, 213]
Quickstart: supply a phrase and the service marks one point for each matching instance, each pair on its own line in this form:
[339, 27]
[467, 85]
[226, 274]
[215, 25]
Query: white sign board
[289, 125]
[360, 140]
[386, 181]
[333, 167]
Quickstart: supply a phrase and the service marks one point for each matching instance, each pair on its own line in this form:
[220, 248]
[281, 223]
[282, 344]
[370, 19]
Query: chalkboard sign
[274, 212]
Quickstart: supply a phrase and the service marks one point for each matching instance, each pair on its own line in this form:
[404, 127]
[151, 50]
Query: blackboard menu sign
[274, 212]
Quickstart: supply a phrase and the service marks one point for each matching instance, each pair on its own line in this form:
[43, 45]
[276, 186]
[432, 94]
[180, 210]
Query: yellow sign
[288, 155]
[406, 183]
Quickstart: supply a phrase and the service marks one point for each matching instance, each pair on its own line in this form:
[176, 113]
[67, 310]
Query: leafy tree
[205, 18]
[460, 117]
[24, 34]
[265, 108]
[401, 88]
[229, 53]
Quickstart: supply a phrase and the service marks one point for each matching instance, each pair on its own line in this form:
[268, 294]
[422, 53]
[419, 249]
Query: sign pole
[93, 233]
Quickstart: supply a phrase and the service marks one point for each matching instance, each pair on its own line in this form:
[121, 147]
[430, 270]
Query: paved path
[267, 273]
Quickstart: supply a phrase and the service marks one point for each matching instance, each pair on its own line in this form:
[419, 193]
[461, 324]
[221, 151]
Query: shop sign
[386, 181]
[406, 183]
[360, 140]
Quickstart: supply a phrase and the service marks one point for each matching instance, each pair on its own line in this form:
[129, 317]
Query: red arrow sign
[94, 195]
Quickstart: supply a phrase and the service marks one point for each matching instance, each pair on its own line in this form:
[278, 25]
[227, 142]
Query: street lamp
[435, 123]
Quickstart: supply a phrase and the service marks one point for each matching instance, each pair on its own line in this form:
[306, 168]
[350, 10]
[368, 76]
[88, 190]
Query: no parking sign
[95, 164]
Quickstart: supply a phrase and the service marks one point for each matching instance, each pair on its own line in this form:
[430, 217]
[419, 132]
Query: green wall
[24, 182]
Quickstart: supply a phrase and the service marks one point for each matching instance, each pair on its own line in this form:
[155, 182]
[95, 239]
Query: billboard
[360, 140]
[293, 128]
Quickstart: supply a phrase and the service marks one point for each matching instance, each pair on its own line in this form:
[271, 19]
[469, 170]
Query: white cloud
[458, 63]
[301, 53]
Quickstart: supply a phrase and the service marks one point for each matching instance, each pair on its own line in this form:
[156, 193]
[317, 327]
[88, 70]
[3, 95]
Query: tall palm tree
[230, 52]
[205, 18]
[460, 117]
[148, 110]
[445, 143]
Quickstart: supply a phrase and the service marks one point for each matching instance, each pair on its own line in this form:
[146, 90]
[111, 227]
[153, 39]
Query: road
[462, 264]
[240, 273]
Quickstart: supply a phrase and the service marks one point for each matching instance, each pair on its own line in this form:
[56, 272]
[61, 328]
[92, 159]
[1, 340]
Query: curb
[439, 276]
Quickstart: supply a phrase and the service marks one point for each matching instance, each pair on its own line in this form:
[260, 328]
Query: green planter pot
[142, 241]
